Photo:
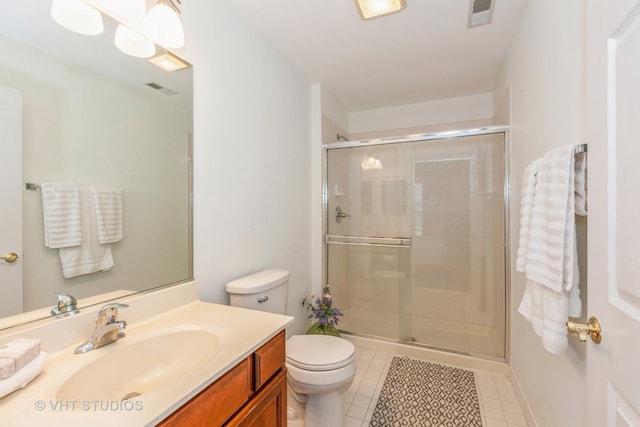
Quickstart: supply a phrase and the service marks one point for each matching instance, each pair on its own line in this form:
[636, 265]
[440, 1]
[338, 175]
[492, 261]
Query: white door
[613, 79]
[10, 200]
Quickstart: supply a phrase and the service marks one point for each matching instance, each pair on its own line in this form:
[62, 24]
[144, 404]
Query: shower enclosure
[415, 239]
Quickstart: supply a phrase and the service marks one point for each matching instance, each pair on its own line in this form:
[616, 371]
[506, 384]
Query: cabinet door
[268, 359]
[268, 408]
[213, 406]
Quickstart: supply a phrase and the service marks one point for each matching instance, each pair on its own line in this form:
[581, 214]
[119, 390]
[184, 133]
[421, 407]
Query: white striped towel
[550, 248]
[581, 184]
[548, 311]
[61, 213]
[526, 204]
[108, 206]
[90, 256]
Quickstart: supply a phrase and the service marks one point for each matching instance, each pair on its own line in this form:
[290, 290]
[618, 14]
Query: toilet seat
[319, 352]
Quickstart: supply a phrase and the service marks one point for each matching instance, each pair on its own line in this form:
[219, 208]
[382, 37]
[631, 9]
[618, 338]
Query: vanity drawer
[217, 403]
[268, 360]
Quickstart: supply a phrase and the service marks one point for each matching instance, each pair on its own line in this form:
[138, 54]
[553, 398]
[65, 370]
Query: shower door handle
[398, 242]
[340, 214]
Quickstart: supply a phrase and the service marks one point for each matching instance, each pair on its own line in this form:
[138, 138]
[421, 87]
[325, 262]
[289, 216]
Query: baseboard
[443, 357]
[524, 404]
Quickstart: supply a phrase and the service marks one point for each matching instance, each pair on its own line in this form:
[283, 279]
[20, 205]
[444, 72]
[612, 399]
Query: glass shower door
[415, 241]
[369, 239]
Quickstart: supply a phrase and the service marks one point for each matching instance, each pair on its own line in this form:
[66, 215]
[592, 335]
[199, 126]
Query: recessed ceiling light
[372, 8]
[169, 62]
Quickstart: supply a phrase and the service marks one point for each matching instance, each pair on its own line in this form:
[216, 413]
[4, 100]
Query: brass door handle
[10, 257]
[582, 330]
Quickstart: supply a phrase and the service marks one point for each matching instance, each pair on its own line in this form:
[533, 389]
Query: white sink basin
[129, 369]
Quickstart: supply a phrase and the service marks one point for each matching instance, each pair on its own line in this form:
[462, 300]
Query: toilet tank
[265, 290]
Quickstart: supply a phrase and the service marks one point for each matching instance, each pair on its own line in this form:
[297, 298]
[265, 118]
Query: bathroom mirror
[89, 116]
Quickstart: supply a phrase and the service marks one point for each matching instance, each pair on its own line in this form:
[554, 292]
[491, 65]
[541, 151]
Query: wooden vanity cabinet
[252, 393]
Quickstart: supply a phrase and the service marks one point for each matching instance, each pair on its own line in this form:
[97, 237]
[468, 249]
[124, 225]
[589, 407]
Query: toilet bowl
[319, 367]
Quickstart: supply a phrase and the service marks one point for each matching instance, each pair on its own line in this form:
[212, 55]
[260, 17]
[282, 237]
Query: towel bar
[580, 148]
[31, 186]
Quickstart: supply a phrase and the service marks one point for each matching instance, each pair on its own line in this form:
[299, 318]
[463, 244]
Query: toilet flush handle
[263, 299]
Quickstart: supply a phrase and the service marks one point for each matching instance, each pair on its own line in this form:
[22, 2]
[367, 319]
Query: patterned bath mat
[416, 393]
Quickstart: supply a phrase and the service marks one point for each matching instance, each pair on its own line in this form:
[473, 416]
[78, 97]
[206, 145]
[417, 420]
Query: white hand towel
[24, 376]
[575, 302]
[61, 212]
[581, 184]
[550, 248]
[90, 256]
[526, 204]
[548, 312]
[108, 205]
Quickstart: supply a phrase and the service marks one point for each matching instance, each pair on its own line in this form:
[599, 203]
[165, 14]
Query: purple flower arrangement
[321, 308]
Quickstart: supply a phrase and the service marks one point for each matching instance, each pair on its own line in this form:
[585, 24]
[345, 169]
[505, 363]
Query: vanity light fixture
[371, 163]
[163, 25]
[132, 43]
[372, 8]
[77, 16]
[168, 62]
[127, 10]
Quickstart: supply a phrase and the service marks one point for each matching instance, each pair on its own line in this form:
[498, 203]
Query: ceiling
[422, 53]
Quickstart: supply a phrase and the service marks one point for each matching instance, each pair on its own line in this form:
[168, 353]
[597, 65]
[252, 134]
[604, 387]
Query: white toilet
[320, 367]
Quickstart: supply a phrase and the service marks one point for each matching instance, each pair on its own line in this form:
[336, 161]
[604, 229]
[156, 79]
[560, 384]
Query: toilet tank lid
[258, 282]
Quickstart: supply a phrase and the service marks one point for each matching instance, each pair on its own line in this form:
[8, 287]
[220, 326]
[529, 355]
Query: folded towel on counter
[526, 204]
[90, 256]
[61, 212]
[581, 183]
[550, 247]
[24, 376]
[16, 354]
[108, 206]
[7, 367]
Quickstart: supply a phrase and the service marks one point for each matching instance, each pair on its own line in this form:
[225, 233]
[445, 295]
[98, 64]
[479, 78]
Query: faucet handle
[109, 313]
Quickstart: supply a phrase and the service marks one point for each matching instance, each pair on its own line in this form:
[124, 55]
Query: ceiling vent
[480, 12]
[161, 89]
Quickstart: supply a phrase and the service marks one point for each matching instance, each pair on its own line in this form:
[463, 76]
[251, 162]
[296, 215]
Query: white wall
[334, 111]
[252, 151]
[545, 71]
[450, 110]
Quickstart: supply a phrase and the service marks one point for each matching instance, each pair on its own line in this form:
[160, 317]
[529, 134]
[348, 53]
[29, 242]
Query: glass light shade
[371, 163]
[162, 25]
[372, 8]
[77, 16]
[132, 43]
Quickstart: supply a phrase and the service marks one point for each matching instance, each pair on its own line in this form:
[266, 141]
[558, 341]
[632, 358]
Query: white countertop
[239, 332]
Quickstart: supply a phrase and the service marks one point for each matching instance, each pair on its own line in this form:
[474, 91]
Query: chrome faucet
[67, 305]
[108, 329]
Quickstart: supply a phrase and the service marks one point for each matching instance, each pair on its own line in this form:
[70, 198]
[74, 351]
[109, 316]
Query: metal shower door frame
[431, 136]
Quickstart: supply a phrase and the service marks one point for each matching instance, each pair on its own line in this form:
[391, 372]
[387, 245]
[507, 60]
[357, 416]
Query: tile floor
[498, 403]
